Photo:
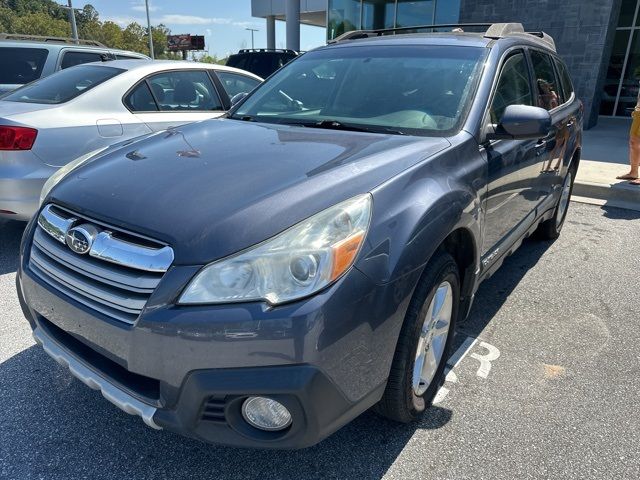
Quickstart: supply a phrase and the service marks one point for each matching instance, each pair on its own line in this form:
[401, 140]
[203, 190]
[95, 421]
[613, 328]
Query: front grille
[104, 284]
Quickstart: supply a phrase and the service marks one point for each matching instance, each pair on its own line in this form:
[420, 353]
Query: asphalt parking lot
[545, 386]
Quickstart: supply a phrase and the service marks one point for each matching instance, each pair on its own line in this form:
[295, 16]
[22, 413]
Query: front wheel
[425, 342]
[550, 229]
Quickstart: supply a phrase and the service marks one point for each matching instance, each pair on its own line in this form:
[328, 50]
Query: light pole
[146, 4]
[72, 20]
[252, 30]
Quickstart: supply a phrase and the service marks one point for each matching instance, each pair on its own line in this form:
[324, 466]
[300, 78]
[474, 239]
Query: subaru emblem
[80, 238]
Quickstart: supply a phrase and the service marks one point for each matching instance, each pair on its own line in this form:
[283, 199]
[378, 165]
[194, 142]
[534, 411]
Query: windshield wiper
[336, 125]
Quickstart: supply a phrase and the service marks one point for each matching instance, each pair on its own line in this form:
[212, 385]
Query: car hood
[213, 188]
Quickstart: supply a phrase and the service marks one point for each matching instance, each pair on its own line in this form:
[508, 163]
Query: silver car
[48, 123]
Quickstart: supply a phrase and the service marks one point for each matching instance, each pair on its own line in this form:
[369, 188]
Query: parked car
[48, 123]
[313, 257]
[25, 58]
[261, 61]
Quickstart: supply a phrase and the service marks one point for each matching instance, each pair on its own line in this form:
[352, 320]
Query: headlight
[298, 262]
[64, 171]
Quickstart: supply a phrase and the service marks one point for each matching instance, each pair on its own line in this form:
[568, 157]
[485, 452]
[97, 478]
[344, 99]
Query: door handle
[570, 124]
[541, 146]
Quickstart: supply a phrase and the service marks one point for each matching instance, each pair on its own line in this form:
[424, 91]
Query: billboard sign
[185, 42]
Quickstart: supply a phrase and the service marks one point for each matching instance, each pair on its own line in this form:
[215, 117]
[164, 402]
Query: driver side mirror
[237, 97]
[521, 122]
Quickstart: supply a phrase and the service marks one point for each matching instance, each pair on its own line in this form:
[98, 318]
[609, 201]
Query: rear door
[173, 98]
[551, 97]
[514, 166]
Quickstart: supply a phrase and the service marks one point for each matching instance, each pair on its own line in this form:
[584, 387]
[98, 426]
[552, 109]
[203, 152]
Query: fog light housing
[266, 414]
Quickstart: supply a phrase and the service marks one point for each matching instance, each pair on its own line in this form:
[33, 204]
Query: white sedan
[52, 121]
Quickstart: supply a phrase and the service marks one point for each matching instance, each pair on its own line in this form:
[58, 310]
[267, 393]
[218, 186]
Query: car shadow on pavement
[10, 235]
[55, 427]
[496, 290]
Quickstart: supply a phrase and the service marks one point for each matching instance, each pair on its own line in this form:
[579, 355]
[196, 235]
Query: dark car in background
[25, 58]
[262, 61]
[312, 254]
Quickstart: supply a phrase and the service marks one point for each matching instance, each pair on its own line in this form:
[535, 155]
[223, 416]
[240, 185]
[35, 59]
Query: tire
[400, 401]
[550, 229]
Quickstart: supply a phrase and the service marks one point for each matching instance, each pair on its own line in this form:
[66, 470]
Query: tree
[46, 17]
[41, 24]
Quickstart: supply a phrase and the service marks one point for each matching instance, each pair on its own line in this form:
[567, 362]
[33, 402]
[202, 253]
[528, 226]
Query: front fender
[415, 212]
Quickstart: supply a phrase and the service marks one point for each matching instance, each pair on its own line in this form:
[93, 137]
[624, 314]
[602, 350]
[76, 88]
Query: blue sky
[222, 22]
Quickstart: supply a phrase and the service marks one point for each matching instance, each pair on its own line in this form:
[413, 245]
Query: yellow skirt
[635, 125]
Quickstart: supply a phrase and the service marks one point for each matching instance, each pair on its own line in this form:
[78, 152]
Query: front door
[514, 166]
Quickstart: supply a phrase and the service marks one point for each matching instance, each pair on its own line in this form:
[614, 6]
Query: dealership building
[599, 39]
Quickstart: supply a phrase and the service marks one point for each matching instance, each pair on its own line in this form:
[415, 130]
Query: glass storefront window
[447, 12]
[629, 90]
[621, 86]
[344, 16]
[377, 14]
[614, 72]
[347, 15]
[627, 12]
[412, 13]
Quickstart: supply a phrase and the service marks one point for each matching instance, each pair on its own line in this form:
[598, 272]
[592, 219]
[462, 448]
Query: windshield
[419, 90]
[21, 65]
[63, 85]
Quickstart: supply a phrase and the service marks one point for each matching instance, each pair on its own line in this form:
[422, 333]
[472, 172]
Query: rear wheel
[550, 229]
[425, 342]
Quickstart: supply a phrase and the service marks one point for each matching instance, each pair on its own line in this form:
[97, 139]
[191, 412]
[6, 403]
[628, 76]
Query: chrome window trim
[107, 248]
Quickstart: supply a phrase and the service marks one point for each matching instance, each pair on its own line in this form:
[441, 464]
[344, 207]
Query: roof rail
[355, 34]
[46, 39]
[282, 50]
[494, 31]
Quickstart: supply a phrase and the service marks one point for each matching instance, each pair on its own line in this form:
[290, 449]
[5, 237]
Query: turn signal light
[17, 138]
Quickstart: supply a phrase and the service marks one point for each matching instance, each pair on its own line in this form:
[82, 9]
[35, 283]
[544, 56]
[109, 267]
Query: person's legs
[634, 149]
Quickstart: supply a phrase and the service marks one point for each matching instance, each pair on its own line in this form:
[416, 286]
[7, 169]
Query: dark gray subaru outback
[262, 279]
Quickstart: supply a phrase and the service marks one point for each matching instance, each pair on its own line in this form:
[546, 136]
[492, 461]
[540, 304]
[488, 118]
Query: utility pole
[146, 4]
[252, 30]
[72, 20]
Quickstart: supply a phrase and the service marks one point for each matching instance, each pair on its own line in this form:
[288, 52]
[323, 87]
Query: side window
[185, 91]
[71, 59]
[140, 99]
[513, 88]
[565, 80]
[235, 83]
[546, 82]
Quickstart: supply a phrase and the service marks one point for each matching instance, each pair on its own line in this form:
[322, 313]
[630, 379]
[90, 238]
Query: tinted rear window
[64, 85]
[71, 59]
[21, 65]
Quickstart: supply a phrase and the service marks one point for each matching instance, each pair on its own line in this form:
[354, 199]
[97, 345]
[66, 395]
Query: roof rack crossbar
[48, 39]
[248, 50]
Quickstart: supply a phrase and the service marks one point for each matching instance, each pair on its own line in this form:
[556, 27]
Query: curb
[619, 195]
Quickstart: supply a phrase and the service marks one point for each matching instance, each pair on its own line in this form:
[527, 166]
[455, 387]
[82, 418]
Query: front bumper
[188, 369]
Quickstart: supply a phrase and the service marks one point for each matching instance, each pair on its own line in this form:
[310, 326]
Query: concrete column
[293, 24]
[271, 32]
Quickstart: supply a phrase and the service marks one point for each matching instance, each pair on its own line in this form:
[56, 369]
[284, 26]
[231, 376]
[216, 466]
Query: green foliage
[46, 17]
[211, 59]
